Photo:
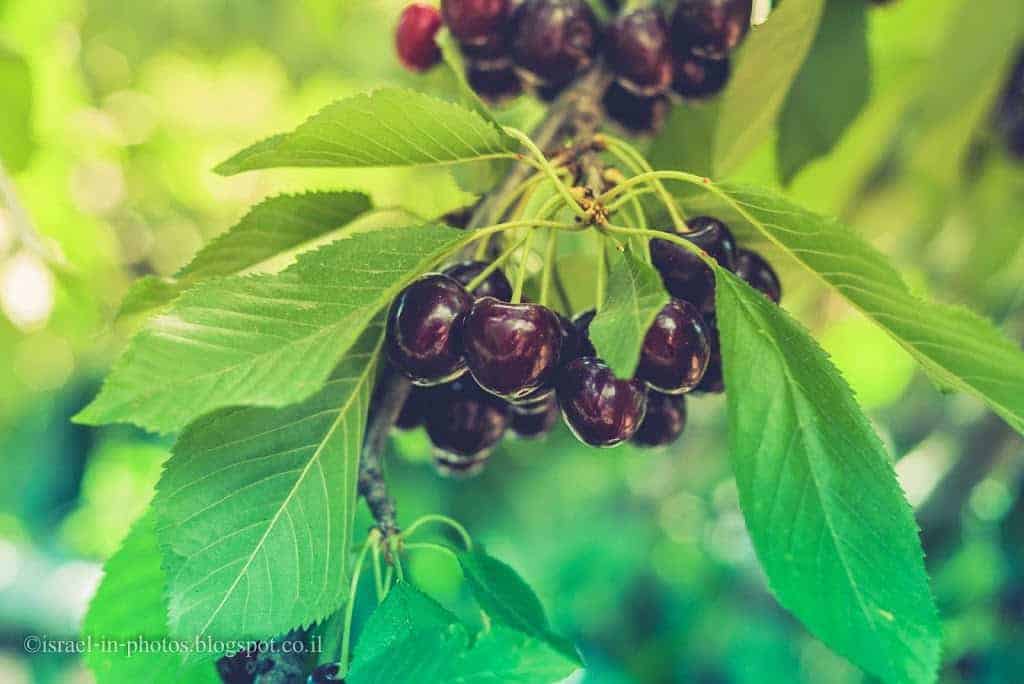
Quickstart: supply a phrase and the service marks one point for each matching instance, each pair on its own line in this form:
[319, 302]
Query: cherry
[464, 422]
[414, 38]
[494, 285]
[684, 274]
[496, 86]
[424, 329]
[676, 349]
[325, 674]
[512, 350]
[634, 113]
[242, 667]
[582, 323]
[474, 21]
[600, 409]
[489, 53]
[639, 53]
[536, 420]
[696, 78]
[554, 40]
[709, 28]
[759, 274]
[459, 218]
[713, 381]
[664, 422]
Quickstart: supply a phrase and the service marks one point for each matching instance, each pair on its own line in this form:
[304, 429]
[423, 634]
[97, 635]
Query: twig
[393, 392]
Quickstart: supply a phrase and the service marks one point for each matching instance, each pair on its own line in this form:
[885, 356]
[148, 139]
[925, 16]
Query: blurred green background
[112, 114]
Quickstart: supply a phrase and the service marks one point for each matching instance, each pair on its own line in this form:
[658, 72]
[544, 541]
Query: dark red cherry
[464, 422]
[490, 53]
[684, 274]
[676, 349]
[459, 218]
[414, 410]
[759, 274]
[495, 86]
[635, 114]
[459, 469]
[582, 323]
[494, 285]
[713, 381]
[414, 37]
[239, 668]
[709, 28]
[638, 52]
[554, 40]
[512, 350]
[696, 78]
[536, 420]
[474, 21]
[600, 409]
[326, 674]
[664, 421]
[424, 329]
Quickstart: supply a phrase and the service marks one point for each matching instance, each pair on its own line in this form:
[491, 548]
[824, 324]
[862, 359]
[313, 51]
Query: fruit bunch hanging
[543, 46]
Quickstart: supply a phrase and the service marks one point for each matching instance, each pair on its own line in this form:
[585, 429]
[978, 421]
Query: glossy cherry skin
[664, 421]
[638, 51]
[676, 349]
[535, 421]
[687, 277]
[494, 285]
[635, 114]
[512, 350]
[759, 274]
[713, 381]
[600, 409]
[464, 422]
[459, 470]
[696, 78]
[474, 21]
[582, 323]
[495, 86]
[554, 40]
[414, 37]
[709, 28]
[414, 410]
[424, 329]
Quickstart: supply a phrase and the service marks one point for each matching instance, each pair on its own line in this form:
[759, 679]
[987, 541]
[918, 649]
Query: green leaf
[959, 349]
[389, 127]
[715, 139]
[830, 90]
[635, 296]
[270, 230]
[134, 573]
[831, 526]
[265, 340]
[256, 505]
[16, 140]
[507, 599]
[410, 639]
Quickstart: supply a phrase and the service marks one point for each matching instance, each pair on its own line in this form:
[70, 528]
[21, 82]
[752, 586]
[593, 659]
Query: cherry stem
[493, 266]
[602, 274]
[627, 153]
[662, 235]
[467, 541]
[550, 254]
[535, 151]
[378, 579]
[517, 293]
[346, 633]
[652, 175]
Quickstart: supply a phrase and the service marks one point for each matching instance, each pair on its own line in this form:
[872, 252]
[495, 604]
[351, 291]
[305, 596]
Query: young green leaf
[715, 139]
[135, 572]
[507, 599]
[255, 509]
[635, 296]
[958, 349]
[271, 229]
[389, 127]
[830, 90]
[410, 639]
[831, 526]
[266, 340]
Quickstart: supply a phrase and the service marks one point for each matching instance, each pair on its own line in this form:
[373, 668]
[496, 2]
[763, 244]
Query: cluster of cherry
[1010, 111]
[481, 364]
[544, 45]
